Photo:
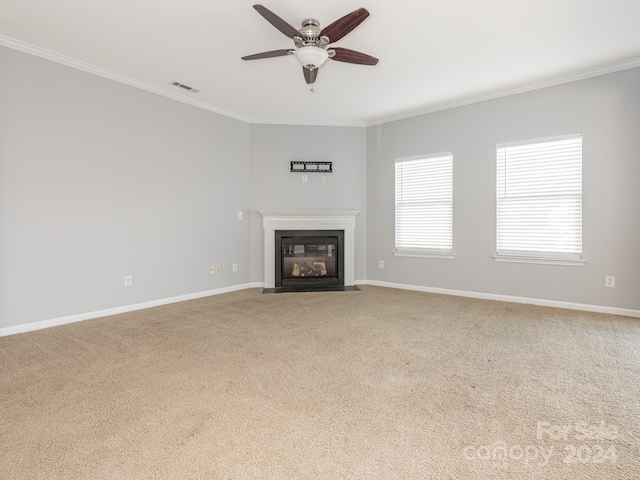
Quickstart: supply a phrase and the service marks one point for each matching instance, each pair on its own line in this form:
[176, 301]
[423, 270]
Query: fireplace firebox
[309, 259]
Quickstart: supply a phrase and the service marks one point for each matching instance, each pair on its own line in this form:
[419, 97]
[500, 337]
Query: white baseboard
[54, 322]
[508, 298]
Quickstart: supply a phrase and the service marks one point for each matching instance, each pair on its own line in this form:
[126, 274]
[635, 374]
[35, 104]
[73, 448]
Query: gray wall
[606, 109]
[274, 187]
[99, 180]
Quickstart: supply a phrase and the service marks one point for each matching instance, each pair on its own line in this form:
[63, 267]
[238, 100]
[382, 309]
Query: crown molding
[528, 87]
[103, 72]
[304, 123]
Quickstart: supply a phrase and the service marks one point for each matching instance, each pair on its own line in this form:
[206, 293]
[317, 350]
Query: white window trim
[539, 140]
[415, 253]
[542, 259]
[427, 253]
[538, 260]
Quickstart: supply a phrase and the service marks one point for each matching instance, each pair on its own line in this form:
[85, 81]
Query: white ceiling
[433, 53]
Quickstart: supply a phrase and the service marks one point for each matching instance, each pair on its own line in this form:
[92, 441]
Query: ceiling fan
[312, 43]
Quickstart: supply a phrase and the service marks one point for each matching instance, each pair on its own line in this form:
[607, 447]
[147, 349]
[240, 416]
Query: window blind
[539, 199]
[424, 204]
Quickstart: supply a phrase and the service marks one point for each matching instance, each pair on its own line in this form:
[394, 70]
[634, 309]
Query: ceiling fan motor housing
[310, 30]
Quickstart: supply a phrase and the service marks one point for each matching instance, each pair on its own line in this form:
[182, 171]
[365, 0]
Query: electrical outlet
[218, 269]
[239, 215]
[609, 281]
[380, 263]
[234, 267]
[212, 270]
[128, 280]
[305, 179]
[323, 179]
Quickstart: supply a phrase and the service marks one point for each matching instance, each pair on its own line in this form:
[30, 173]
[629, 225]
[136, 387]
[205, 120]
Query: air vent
[186, 87]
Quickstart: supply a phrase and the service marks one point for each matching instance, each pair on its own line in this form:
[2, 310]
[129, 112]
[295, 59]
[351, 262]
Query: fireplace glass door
[308, 258]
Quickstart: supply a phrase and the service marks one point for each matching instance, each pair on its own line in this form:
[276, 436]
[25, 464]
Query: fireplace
[309, 258]
[318, 251]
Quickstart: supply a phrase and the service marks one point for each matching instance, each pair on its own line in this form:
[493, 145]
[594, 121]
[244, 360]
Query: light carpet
[376, 384]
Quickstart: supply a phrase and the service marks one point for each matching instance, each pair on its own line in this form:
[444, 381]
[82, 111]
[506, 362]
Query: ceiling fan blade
[272, 53]
[351, 56]
[276, 21]
[344, 25]
[310, 75]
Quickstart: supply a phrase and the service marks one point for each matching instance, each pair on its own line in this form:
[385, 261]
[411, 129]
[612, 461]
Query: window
[424, 205]
[539, 200]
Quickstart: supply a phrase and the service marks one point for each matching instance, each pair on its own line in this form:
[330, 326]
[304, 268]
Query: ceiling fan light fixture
[311, 57]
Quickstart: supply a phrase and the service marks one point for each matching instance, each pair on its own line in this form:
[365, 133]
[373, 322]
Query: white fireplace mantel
[308, 220]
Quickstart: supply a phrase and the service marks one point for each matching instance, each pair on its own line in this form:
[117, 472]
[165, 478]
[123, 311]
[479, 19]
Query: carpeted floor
[376, 384]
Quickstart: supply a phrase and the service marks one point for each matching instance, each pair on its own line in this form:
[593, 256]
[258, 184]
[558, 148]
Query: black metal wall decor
[308, 167]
